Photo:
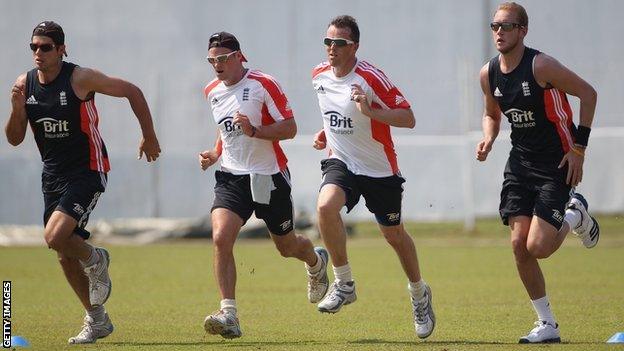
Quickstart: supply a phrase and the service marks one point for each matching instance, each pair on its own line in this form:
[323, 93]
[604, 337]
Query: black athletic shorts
[75, 195]
[534, 188]
[383, 195]
[233, 192]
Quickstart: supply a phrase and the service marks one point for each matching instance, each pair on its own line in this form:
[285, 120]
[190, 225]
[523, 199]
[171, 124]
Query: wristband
[580, 152]
[582, 135]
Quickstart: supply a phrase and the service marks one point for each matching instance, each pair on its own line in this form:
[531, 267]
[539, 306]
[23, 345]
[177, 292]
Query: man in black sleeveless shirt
[57, 99]
[546, 160]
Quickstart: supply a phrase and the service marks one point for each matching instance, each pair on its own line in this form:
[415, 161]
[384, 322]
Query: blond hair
[523, 18]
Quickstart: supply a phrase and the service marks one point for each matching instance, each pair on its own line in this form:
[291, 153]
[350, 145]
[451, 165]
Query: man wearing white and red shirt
[252, 115]
[359, 104]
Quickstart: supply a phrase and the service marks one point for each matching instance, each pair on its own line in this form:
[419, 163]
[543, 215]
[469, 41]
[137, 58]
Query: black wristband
[582, 135]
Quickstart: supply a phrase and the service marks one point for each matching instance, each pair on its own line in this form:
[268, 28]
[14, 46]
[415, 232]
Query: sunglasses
[337, 41]
[44, 47]
[220, 58]
[507, 26]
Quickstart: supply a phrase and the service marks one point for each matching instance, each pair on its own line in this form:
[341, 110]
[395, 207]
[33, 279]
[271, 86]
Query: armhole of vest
[492, 74]
[548, 85]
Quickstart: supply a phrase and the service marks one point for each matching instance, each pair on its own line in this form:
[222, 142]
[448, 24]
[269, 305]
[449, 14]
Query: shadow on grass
[220, 343]
[240, 343]
[458, 342]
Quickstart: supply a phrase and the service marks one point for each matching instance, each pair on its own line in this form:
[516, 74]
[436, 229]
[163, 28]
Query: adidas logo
[320, 90]
[497, 92]
[398, 100]
[214, 101]
[32, 101]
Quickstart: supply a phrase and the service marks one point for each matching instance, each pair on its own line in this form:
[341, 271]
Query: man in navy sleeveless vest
[546, 160]
[57, 99]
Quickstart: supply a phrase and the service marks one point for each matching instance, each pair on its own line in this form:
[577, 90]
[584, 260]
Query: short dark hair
[346, 21]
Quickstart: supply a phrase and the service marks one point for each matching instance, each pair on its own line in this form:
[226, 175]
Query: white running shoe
[99, 281]
[318, 283]
[223, 323]
[91, 330]
[424, 318]
[338, 296]
[588, 230]
[542, 333]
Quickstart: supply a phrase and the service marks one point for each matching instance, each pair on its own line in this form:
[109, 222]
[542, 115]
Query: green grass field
[161, 294]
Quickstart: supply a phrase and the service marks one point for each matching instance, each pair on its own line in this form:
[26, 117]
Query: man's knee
[222, 241]
[539, 249]
[395, 235]
[325, 209]
[55, 240]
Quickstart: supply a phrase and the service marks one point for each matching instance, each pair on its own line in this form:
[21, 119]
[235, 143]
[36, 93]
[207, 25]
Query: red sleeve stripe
[320, 68]
[275, 92]
[257, 75]
[377, 74]
[381, 133]
[89, 125]
[211, 86]
[219, 146]
[558, 111]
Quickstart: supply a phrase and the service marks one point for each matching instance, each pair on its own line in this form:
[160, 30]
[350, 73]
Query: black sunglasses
[507, 26]
[43, 47]
[337, 41]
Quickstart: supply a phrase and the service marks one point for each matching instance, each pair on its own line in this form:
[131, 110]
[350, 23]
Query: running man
[252, 115]
[358, 105]
[57, 99]
[546, 159]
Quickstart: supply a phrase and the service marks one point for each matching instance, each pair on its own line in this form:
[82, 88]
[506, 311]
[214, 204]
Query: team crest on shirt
[63, 98]
[526, 91]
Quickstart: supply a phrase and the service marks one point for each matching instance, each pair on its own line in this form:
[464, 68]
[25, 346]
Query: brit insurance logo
[54, 129]
[231, 129]
[339, 124]
[519, 118]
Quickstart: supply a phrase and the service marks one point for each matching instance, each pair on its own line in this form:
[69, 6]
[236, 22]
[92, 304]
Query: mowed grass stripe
[162, 293]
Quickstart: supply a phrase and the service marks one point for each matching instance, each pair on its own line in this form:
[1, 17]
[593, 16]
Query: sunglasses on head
[220, 58]
[507, 26]
[43, 47]
[337, 41]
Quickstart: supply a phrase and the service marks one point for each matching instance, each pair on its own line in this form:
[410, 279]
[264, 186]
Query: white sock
[573, 218]
[93, 258]
[228, 305]
[343, 273]
[542, 308]
[417, 289]
[317, 266]
[97, 313]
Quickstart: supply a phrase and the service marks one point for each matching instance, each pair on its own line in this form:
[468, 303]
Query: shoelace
[539, 325]
[419, 309]
[86, 329]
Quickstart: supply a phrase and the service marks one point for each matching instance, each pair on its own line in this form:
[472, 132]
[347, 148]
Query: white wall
[432, 50]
